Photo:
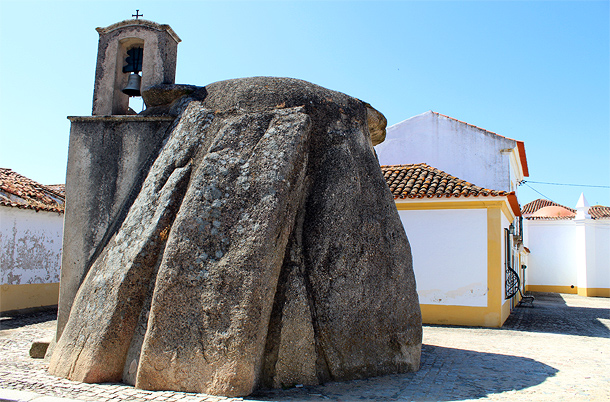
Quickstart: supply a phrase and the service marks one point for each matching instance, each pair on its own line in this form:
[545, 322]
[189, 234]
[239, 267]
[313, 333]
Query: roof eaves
[523, 158]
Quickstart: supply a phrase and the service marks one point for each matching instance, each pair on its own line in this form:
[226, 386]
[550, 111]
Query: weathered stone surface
[263, 249]
[377, 124]
[97, 335]
[166, 94]
[39, 348]
[108, 159]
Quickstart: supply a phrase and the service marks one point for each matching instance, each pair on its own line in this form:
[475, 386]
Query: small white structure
[464, 150]
[31, 228]
[570, 251]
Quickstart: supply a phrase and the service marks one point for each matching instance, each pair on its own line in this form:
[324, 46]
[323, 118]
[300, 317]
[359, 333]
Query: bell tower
[126, 50]
[111, 151]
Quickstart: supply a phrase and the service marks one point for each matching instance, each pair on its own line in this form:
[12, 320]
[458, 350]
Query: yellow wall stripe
[460, 315]
[594, 292]
[588, 292]
[494, 260]
[17, 297]
[551, 289]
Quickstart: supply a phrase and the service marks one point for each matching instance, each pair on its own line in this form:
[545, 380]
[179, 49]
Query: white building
[469, 152]
[31, 228]
[459, 235]
[570, 248]
[466, 238]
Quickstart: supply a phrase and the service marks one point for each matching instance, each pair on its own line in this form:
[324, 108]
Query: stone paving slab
[559, 350]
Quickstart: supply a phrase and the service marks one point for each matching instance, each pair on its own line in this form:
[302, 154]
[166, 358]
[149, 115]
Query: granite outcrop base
[263, 250]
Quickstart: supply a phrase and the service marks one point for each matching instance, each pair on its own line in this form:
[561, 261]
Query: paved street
[559, 350]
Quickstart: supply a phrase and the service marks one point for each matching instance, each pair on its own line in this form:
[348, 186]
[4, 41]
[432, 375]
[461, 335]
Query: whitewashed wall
[449, 250]
[469, 153]
[30, 246]
[568, 253]
[601, 276]
[553, 259]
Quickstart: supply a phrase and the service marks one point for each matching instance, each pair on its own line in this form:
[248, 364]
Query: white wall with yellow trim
[30, 255]
[569, 256]
[458, 250]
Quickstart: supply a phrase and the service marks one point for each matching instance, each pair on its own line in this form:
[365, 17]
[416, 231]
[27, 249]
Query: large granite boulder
[263, 250]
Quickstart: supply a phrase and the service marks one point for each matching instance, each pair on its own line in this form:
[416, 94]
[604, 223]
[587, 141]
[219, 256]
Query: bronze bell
[133, 85]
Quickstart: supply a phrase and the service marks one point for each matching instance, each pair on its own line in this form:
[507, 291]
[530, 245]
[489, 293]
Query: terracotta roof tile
[20, 192]
[599, 212]
[596, 211]
[423, 181]
[549, 218]
[535, 205]
[58, 188]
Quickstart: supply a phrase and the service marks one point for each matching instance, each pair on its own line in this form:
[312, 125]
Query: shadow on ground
[13, 320]
[551, 314]
[457, 375]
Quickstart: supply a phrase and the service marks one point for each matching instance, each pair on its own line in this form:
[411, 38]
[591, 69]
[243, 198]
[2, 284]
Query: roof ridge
[472, 125]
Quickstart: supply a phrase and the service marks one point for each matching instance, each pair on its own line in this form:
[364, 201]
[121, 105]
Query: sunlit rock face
[263, 250]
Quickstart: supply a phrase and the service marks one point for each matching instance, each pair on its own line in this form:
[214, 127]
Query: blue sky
[536, 71]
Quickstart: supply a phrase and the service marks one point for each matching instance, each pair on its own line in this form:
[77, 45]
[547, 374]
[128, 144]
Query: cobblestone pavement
[558, 350]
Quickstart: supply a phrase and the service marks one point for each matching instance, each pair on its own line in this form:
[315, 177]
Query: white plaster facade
[551, 262]
[449, 249]
[30, 255]
[459, 244]
[471, 153]
[30, 246]
[458, 247]
[569, 255]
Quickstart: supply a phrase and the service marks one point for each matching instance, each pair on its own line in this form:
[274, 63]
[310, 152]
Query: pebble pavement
[558, 350]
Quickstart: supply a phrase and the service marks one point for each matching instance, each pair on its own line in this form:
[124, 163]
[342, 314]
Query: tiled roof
[549, 218]
[423, 181]
[535, 205]
[58, 188]
[599, 212]
[20, 192]
[596, 211]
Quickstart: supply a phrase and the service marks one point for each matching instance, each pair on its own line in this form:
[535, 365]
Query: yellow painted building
[465, 240]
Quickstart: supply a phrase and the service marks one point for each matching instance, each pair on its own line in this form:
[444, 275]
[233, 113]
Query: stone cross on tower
[160, 46]
[137, 14]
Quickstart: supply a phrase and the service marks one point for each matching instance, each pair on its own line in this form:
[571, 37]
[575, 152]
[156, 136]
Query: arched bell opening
[129, 72]
[132, 55]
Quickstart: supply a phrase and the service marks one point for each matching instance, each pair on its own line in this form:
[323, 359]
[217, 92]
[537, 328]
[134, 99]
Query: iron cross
[137, 14]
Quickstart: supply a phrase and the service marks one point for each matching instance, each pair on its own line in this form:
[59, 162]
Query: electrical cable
[548, 198]
[564, 184]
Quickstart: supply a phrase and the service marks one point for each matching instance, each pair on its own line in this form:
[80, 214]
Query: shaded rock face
[263, 250]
